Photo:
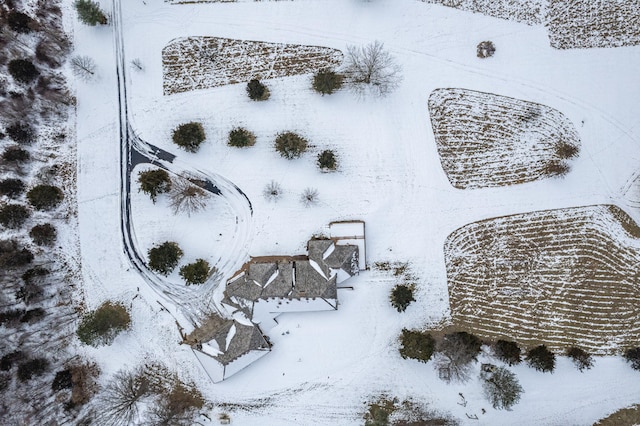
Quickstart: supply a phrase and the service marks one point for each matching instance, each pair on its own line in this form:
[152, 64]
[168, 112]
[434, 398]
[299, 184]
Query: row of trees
[40, 376]
[290, 145]
[367, 69]
[164, 258]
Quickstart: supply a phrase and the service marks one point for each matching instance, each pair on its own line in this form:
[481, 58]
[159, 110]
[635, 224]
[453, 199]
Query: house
[267, 286]
[225, 346]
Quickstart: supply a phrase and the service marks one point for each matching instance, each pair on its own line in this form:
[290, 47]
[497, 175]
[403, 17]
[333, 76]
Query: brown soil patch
[560, 277]
[589, 23]
[486, 140]
[530, 12]
[204, 62]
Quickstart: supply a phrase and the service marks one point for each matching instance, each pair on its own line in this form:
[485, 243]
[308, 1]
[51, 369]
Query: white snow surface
[324, 365]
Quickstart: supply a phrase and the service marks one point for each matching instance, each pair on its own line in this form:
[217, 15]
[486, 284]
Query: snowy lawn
[389, 175]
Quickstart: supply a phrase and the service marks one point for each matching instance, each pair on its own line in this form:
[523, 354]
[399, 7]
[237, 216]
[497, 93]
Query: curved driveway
[194, 301]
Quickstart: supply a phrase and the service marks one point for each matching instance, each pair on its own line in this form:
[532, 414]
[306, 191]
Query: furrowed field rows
[561, 277]
[530, 12]
[589, 24]
[204, 62]
[486, 140]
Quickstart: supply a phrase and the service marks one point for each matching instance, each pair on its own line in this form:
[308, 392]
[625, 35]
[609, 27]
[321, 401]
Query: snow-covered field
[325, 365]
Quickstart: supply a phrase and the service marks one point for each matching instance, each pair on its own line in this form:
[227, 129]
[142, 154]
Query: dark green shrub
[327, 160]
[62, 380]
[240, 137]
[89, 12]
[165, 257]
[33, 315]
[542, 359]
[581, 358]
[21, 133]
[402, 296]
[632, 356]
[19, 22]
[189, 136]
[13, 215]
[290, 145]
[9, 360]
[257, 91]
[196, 272]
[43, 235]
[416, 345]
[32, 368]
[326, 81]
[23, 70]
[508, 352]
[12, 188]
[15, 154]
[378, 412]
[11, 255]
[154, 182]
[31, 291]
[45, 197]
[32, 275]
[100, 327]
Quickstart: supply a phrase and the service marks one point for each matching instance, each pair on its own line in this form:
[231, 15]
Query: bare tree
[121, 399]
[501, 388]
[273, 191]
[309, 197]
[455, 353]
[137, 65]
[371, 68]
[187, 196]
[83, 67]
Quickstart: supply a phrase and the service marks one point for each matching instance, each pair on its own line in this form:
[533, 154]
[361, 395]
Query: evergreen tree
[21, 132]
[23, 70]
[327, 160]
[507, 351]
[290, 145]
[326, 82]
[154, 182]
[581, 358]
[542, 359]
[19, 22]
[45, 197]
[100, 327]
[402, 296]
[196, 272]
[12, 188]
[416, 345]
[15, 154]
[165, 257]
[13, 215]
[632, 356]
[189, 136]
[241, 137]
[89, 12]
[257, 91]
[43, 235]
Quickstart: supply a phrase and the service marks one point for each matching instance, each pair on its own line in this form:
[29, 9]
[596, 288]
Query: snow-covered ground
[324, 365]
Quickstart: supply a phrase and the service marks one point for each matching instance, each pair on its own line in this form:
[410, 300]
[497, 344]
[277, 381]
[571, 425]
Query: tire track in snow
[194, 301]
